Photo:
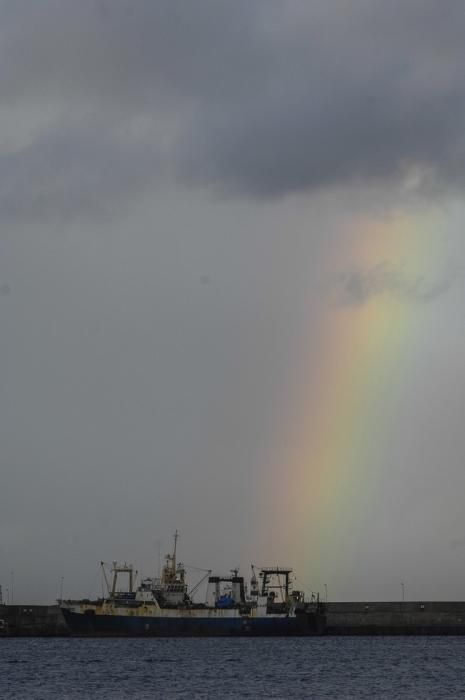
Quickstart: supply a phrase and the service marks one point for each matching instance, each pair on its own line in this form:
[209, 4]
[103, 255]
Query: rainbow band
[348, 399]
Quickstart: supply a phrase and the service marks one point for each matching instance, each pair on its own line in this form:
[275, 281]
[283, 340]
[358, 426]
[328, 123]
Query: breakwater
[362, 618]
[32, 621]
[418, 617]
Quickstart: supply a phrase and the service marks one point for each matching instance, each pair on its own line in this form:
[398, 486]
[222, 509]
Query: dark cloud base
[358, 286]
[254, 99]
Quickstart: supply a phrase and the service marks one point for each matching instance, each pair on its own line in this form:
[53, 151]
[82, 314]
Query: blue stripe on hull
[133, 626]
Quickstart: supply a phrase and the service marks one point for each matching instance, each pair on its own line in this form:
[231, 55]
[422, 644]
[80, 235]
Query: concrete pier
[419, 617]
[32, 621]
[363, 618]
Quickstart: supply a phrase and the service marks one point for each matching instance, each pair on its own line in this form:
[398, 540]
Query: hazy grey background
[176, 179]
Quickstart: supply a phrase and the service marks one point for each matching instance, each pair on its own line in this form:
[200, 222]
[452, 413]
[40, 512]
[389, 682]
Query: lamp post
[326, 592]
[403, 591]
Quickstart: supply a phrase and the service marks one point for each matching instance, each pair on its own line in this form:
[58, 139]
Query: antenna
[158, 543]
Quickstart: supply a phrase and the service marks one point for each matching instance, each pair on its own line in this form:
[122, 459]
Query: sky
[232, 292]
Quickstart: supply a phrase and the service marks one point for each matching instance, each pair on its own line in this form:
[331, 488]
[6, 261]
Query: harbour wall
[32, 621]
[363, 618]
[395, 618]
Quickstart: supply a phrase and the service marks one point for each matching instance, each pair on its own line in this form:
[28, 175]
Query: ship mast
[176, 535]
[169, 570]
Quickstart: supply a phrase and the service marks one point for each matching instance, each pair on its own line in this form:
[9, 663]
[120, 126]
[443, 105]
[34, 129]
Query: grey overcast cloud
[232, 291]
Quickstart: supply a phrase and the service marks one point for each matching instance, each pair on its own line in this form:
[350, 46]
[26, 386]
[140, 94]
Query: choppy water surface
[378, 667]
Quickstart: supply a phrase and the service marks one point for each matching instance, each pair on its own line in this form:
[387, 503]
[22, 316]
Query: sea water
[331, 667]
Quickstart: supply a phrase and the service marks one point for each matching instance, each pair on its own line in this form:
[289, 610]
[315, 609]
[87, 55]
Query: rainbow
[349, 384]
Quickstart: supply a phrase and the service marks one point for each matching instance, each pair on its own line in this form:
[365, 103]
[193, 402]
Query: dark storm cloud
[71, 171]
[261, 99]
[360, 285]
[350, 93]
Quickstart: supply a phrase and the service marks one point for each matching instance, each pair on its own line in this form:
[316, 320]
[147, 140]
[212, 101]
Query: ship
[164, 607]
